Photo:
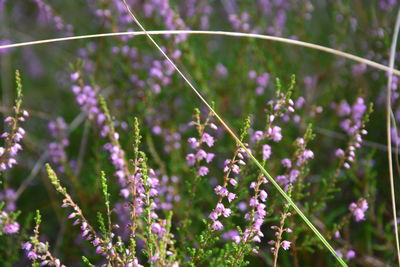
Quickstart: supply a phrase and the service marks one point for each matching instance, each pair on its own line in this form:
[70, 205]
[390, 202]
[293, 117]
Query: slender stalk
[388, 129]
[288, 199]
[223, 33]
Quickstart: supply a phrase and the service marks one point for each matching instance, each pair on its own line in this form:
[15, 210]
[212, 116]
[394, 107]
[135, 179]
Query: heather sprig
[12, 139]
[8, 221]
[231, 168]
[103, 244]
[199, 144]
[159, 242]
[117, 154]
[58, 131]
[47, 16]
[355, 128]
[244, 241]
[37, 251]
[106, 196]
[346, 156]
[280, 230]
[221, 211]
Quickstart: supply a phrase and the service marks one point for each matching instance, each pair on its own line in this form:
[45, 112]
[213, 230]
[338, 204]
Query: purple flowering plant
[131, 167]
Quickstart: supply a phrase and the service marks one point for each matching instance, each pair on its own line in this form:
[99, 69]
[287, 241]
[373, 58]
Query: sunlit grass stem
[218, 33]
[388, 129]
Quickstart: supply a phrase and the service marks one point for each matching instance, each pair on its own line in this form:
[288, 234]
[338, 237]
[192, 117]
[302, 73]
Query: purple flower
[263, 79]
[217, 225]
[193, 142]
[344, 109]
[358, 109]
[258, 135]
[156, 228]
[31, 255]
[208, 139]
[226, 212]
[336, 234]
[266, 149]
[190, 159]
[221, 70]
[350, 254]
[11, 228]
[74, 76]
[293, 175]
[233, 182]
[339, 153]
[263, 195]
[286, 244]
[281, 179]
[286, 163]
[275, 133]
[201, 154]
[27, 246]
[242, 206]
[231, 196]
[210, 157]
[203, 170]
[213, 216]
[358, 209]
[358, 215]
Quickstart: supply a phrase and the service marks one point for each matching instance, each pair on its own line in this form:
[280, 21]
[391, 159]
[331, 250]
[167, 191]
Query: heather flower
[230, 234]
[58, 130]
[221, 70]
[293, 175]
[350, 254]
[190, 159]
[274, 133]
[39, 251]
[200, 154]
[11, 228]
[209, 157]
[87, 97]
[217, 225]
[344, 109]
[354, 126]
[47, 16]
[339, 153]
[258, 136]
[261, 80]
[203, 171]
[263, 195]
[336, 234]
[193, 142]
[358, 209]
[8, 197]
[266, 149]
[240, 22]
[13, 138]
[208, 139]
[256, 214]
[286, 244]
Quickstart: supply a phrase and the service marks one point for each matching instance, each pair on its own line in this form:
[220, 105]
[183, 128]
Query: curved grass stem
[221, 33]
[388, 130]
